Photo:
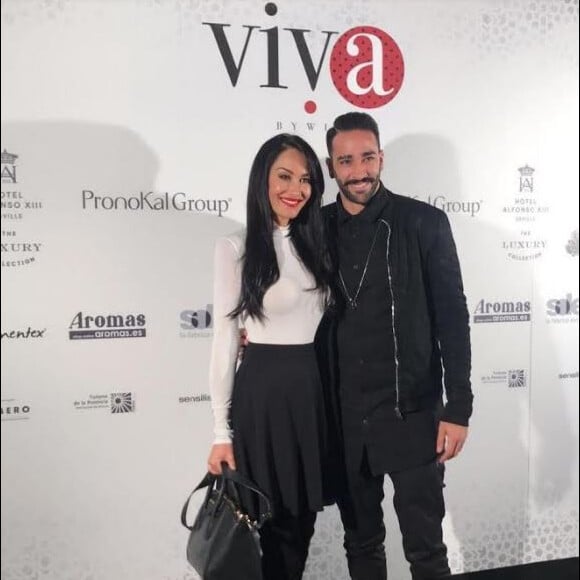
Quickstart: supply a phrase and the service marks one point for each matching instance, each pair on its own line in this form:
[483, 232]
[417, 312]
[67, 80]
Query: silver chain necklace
[352, 300]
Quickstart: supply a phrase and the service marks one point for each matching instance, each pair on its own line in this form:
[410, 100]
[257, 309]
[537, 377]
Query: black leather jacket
[431, 319]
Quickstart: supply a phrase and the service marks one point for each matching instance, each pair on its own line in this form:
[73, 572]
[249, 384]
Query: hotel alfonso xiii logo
[364, 63]
[19, 247]
[526, 241]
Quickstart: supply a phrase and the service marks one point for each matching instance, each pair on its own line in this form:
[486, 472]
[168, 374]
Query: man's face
[356, 163]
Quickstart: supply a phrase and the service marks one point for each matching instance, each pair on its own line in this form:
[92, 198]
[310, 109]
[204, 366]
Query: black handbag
[224, 543]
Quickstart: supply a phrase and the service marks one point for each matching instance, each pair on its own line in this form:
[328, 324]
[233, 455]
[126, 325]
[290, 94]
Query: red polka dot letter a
[366, 67]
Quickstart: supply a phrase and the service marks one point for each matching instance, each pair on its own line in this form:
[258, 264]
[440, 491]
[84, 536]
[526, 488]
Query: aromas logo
[150, 201]
[123, 402]
[364, 63]
[15, 410]
[513, 379]
[502, 312]
[23, 334]
[107, 326]
[16, 250]
[196, 323]
[563, 310]
[526, 214]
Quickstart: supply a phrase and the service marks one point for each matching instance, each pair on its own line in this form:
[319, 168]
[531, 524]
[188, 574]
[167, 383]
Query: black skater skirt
[279, 425]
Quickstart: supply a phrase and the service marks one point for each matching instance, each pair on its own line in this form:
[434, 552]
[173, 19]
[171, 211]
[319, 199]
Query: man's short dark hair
[351, 122]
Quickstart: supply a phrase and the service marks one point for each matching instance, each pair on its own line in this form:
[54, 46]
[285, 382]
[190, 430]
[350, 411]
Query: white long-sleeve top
[292, 315]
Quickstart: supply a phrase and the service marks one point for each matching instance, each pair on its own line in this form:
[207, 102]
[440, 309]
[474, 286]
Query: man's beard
[361, 199]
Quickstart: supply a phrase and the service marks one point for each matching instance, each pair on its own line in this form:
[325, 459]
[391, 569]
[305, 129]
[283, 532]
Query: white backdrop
[126, 145]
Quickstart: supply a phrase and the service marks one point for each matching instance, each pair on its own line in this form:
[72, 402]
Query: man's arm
[451, 320]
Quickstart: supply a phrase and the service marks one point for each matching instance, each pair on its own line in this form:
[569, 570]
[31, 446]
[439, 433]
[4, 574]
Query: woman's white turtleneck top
[292, 311]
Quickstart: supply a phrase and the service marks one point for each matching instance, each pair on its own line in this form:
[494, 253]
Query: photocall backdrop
[128, 130]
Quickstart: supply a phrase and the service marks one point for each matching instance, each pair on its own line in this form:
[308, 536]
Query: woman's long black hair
[307, 230]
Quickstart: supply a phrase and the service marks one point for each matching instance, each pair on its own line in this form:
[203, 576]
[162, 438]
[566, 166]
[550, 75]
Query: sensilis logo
[365, 64]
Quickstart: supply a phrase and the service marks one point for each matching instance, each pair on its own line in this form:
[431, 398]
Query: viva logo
[364, 63]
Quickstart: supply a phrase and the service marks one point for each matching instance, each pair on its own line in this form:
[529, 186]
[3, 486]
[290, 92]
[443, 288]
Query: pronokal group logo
[85, 326]
[464, 207]
[364, 63]
[150, 201]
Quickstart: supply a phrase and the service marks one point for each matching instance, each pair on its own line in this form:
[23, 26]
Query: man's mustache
[357, 181]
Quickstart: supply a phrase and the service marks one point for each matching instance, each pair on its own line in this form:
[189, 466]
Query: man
[402, 333]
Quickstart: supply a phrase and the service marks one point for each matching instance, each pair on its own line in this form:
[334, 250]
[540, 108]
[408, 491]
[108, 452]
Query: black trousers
[420, 509]
[285, 541]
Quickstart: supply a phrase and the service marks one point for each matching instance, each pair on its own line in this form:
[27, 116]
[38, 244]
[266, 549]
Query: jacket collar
[372, 211]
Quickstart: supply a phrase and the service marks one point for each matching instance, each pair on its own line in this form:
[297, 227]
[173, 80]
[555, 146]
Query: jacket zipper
[393, 313]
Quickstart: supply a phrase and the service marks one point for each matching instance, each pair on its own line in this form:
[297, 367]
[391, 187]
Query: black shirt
[366, 351]
[365, 334]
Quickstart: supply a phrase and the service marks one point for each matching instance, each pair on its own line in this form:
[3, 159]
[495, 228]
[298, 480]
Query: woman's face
[289, 186]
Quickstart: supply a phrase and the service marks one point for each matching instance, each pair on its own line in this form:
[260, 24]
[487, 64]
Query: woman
[274, 279]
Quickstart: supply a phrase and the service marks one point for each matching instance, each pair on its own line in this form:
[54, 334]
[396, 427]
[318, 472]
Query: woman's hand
[220, 452]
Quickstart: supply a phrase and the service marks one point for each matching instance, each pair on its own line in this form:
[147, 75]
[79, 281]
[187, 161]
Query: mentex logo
[364, 63]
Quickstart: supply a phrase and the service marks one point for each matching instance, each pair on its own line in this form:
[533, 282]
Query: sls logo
[563, 310]
[365, 64]
[196, 323]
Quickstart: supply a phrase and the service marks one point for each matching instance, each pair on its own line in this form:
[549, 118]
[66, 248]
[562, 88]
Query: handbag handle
[236, 477]
[208, 481]
[232, 476]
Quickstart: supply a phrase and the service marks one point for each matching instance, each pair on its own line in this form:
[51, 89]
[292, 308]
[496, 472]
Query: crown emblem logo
[526, 171]
[8, 158]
